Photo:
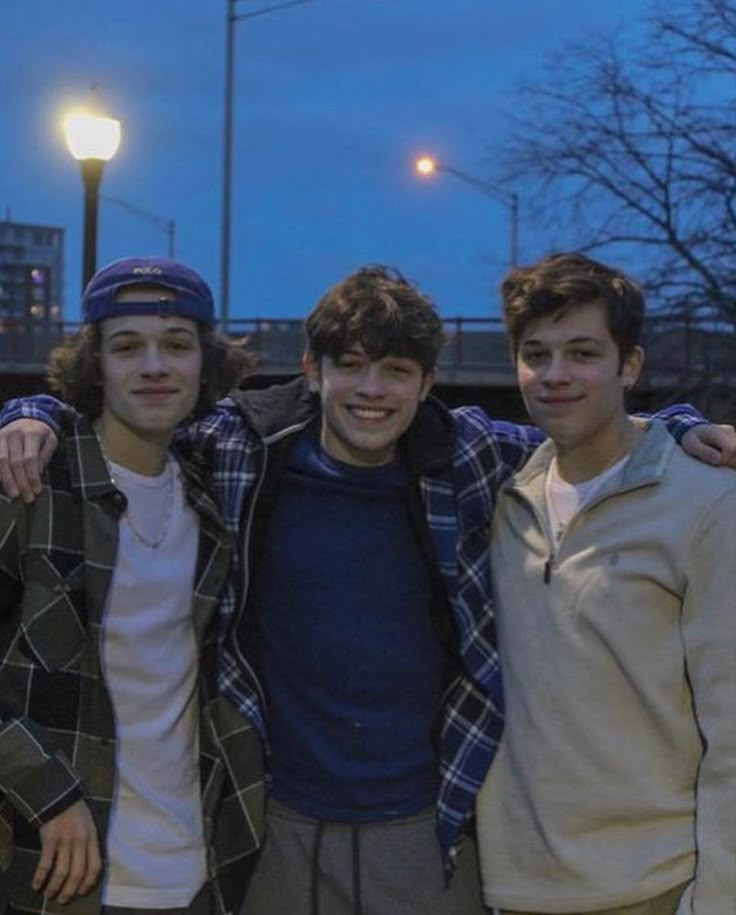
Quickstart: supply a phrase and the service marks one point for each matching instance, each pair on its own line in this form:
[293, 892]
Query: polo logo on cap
[147, 271]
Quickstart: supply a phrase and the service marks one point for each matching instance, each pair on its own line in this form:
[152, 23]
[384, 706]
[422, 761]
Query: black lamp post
[92, 140]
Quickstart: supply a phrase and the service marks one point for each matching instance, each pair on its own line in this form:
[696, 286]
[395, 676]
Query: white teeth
[366, 413]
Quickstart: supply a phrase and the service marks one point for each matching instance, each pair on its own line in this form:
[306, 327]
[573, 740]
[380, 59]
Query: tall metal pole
[91, 176]
[231, 18]
[510, 199]
[227, 153]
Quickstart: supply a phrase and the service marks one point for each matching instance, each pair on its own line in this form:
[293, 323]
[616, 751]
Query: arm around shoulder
[513, 443]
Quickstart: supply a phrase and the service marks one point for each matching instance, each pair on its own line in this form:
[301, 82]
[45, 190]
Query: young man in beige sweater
[614, 789]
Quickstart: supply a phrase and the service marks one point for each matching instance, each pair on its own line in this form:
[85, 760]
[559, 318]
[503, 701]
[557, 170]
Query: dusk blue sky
[333, 100]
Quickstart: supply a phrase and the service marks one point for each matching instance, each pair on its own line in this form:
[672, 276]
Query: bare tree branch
[632, 148]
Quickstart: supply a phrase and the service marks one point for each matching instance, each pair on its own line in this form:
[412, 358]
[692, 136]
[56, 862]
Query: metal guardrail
[476, 351]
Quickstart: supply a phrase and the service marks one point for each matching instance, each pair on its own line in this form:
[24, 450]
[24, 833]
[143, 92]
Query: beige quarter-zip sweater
[616, 777]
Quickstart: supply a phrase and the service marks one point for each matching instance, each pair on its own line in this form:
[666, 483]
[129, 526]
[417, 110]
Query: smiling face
[572, 380]
[367, 405]
[150, 367]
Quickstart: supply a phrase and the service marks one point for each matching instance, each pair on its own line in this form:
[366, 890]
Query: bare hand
[70, 861]
[26, 447]
[712, 444]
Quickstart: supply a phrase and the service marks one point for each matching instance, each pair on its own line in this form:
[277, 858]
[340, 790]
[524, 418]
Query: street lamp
[426, 166]
[166, 225]
[231, 17]
[93, 140]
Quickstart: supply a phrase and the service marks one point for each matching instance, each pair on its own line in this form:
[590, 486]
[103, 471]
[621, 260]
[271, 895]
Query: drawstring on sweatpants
[314, 878]
[357, 894]
[314, 889]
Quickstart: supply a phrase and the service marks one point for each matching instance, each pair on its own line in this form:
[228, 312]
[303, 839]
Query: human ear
[427, 382]
[311, 369]
[632, 367]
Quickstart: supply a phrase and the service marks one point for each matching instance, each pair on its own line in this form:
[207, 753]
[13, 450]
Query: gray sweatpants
[387, 868]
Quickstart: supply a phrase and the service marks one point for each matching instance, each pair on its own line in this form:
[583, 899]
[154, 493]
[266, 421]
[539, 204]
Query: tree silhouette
[627, 147]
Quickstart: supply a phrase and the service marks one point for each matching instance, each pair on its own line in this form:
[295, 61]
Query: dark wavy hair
[559, 282]
[74, 369]
[380, 310]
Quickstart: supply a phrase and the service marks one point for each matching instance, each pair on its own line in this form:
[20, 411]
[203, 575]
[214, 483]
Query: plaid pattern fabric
[57, 730]
[458, 502]
[459, 499]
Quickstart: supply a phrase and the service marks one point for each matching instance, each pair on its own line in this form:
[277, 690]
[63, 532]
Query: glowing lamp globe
[90, 136]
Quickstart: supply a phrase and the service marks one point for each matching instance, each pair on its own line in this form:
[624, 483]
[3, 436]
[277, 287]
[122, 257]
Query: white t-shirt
[156, 849]
[564, 500]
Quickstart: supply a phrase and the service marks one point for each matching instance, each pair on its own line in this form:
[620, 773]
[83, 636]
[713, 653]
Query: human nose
[557, 370]
[153, 361]
[371, 382]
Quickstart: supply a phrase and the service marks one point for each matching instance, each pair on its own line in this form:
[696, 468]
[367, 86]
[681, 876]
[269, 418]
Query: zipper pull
[548, 569]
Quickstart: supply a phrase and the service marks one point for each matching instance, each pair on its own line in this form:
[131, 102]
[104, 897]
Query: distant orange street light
[426, 166]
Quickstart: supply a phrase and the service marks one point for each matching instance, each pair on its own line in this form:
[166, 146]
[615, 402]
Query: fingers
[59, 870]
[94, 866]
[713, 444]
[48, 446]
[703, 443]
[45, 865]
[7, 479]
[727, 444]
[70, 862]
[26, 446]
[706, 454]
[22, 466]
[83, 871]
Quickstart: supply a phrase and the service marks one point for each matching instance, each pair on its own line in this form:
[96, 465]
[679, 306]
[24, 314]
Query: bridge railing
[476, 348]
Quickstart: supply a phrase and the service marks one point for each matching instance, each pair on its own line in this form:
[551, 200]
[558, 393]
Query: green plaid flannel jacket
[57, 729]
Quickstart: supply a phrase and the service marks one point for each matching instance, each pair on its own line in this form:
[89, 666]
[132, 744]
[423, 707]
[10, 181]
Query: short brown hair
[74, 369]
[559, 282]
[377, 308]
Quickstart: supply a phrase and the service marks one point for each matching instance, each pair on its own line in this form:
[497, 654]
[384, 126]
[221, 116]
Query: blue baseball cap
[193, 297]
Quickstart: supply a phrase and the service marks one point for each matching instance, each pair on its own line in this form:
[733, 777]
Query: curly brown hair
[74, 369]
[377, 308]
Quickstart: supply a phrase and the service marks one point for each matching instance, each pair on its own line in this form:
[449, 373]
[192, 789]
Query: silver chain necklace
[155, 542]
[151, 542]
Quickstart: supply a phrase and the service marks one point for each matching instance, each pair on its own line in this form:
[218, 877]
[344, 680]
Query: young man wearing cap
[614, 789]
[363, 644]
[124, 778]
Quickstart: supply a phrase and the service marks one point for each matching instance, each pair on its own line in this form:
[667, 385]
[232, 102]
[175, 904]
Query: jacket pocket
[52, 614]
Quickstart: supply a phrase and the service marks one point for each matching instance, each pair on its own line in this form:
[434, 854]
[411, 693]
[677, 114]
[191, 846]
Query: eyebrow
[130, 332]
[351, 352]
[533, 341]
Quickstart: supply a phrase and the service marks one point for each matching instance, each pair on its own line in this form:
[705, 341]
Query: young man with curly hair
[123, 773]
